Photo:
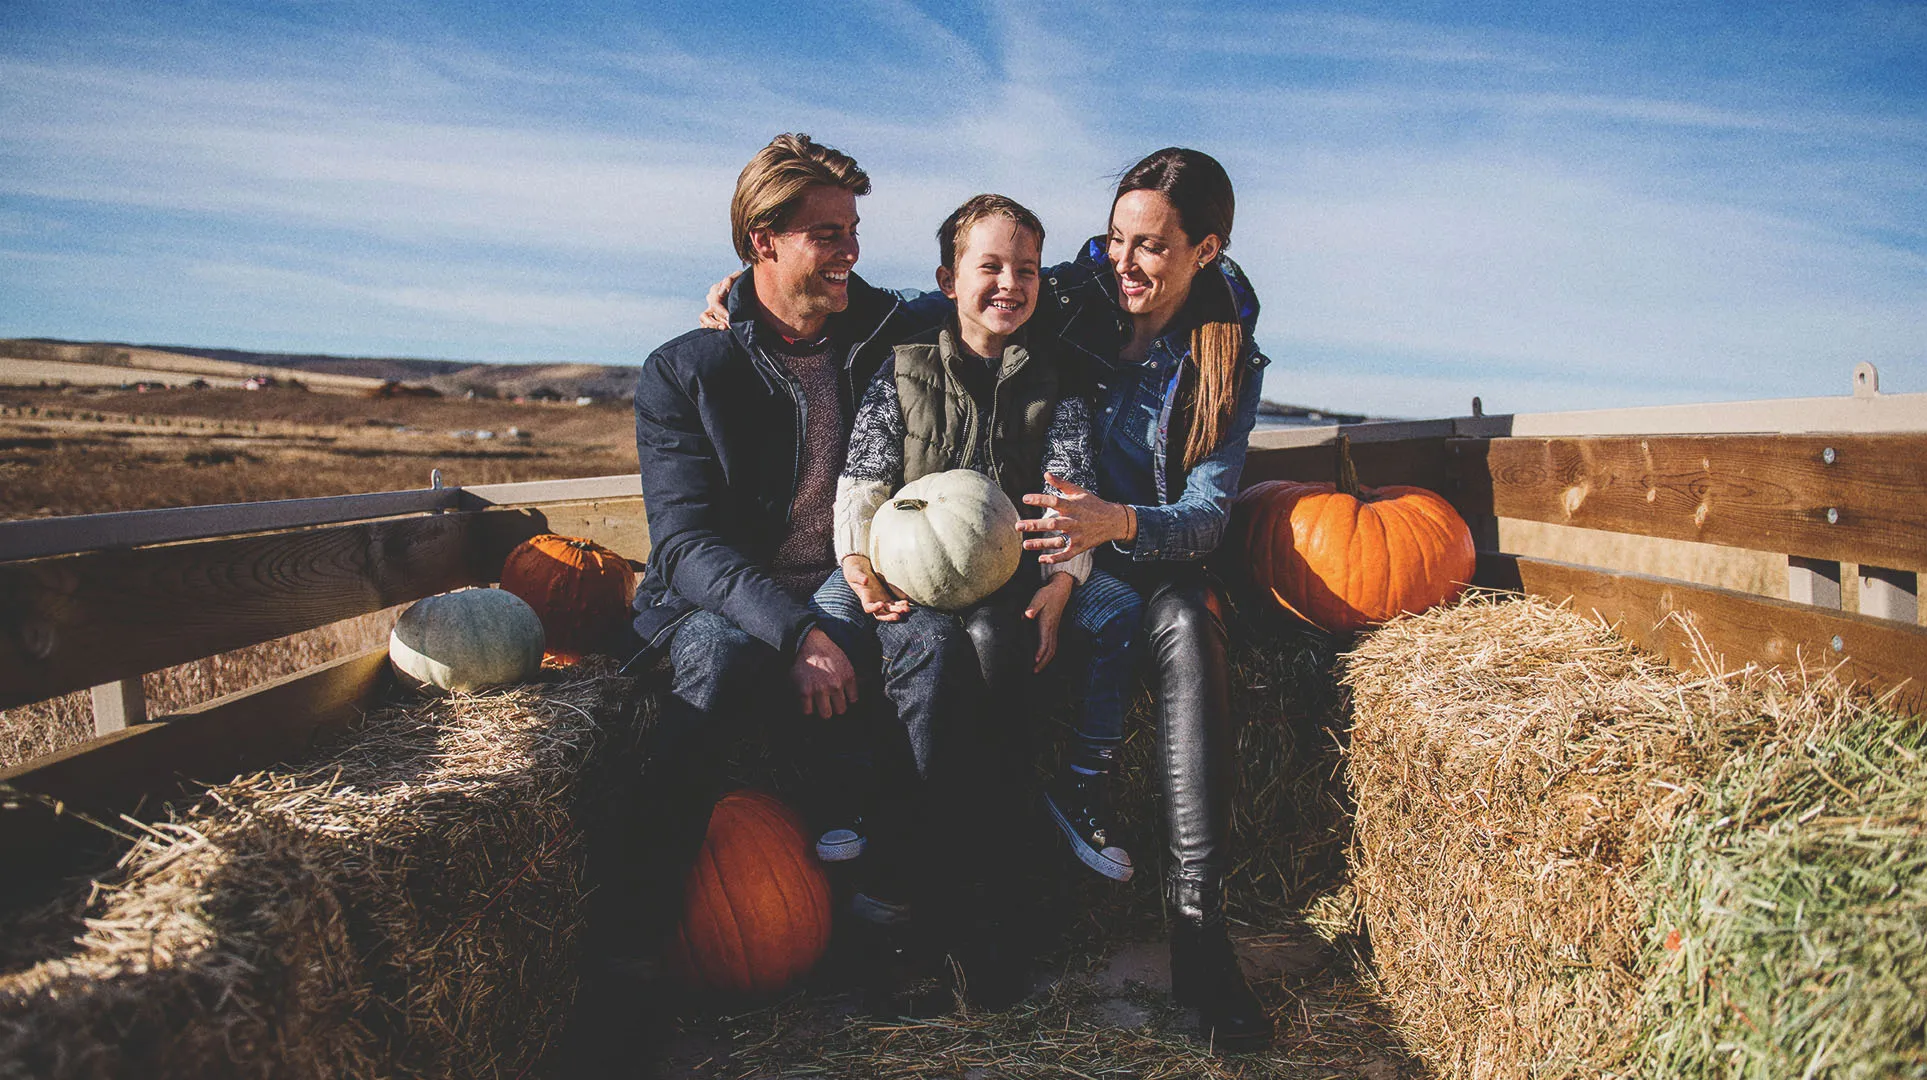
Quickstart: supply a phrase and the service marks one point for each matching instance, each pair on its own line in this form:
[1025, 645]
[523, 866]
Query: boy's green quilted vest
[941, 419]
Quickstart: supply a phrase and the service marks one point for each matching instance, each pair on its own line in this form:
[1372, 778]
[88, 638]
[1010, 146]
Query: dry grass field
[64, 453]
[81, 453]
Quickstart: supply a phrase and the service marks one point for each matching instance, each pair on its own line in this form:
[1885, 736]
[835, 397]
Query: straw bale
[405, 905]
[1533, 841]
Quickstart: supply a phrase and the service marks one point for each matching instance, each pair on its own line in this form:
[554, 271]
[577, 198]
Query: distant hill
[452, 377]
[1275, 414]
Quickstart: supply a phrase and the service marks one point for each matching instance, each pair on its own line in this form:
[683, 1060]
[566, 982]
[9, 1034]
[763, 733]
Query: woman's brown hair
[1199, 190]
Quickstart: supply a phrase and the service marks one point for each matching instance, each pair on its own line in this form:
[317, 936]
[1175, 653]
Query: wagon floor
[1088, 1013]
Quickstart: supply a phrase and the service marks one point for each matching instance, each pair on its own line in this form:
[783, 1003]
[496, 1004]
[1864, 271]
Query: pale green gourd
[947, 540]
[469, 639]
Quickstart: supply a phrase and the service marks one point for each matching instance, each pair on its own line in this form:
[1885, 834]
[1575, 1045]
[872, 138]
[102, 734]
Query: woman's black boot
[1205, 973]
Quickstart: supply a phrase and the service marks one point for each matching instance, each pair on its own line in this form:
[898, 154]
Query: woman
[1165, 328]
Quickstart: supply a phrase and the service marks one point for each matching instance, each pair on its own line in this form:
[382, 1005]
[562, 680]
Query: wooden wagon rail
[97, 601]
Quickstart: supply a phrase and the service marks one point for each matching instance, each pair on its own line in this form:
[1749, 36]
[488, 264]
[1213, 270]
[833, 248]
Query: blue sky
[1552, 205]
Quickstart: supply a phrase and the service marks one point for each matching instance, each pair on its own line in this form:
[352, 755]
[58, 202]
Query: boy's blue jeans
[1107, 613]
[1104, 614]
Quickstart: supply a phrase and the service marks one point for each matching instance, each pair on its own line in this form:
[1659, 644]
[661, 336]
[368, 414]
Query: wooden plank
[1421, 461]
[119, 705]
[241, 732]
[43, 537]
[1371, 431]
[1740, 627]
[1876, 413]
[581, 489]
[74, 622]
[1843, 498]
[621, 525]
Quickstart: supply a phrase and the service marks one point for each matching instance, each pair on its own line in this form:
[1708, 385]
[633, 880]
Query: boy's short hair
[951, 234]
[770, 186]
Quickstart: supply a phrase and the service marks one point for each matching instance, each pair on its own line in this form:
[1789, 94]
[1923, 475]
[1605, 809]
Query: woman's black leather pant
[1185, 636]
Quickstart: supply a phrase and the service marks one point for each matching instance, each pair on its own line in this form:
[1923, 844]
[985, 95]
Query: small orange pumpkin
[580, 589]
[756, 907]
[1347, 557]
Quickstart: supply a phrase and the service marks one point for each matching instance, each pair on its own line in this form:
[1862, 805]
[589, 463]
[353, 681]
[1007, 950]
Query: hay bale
[1562, 847]
[407, 905]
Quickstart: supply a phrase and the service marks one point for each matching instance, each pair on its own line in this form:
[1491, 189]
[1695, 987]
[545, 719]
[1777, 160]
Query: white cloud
[1429, 212]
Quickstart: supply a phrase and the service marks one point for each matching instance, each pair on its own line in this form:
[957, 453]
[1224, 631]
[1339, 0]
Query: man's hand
[824, 680]
[880, 598]
[1047, 607]
[716, 316]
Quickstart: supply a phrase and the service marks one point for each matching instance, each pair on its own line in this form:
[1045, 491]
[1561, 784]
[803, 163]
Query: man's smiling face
[808, 258]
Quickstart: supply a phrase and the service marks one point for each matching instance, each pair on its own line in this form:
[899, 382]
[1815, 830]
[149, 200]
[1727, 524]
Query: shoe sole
[1226, 1044]
[843, 848]
[1093, 859]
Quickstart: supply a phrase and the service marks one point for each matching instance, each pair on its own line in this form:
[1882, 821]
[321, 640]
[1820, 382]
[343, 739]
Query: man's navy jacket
[719, 429]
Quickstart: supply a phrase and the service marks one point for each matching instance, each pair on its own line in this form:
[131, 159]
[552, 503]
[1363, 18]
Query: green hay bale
[1575, 861]
[1790, 910]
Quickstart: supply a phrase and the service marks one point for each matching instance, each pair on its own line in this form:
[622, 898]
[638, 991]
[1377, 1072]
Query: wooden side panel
[252, 729]
[41, 537]
[78, 621]
[1738, 626]
[1844, 498]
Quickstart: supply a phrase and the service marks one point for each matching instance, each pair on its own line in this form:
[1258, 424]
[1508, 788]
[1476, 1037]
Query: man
[740, 436]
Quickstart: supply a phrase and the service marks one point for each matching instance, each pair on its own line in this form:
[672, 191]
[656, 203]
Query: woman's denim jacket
[1131, 405]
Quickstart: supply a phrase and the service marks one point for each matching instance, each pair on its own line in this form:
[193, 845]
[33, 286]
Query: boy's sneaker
[841, 844]
[1080, 803]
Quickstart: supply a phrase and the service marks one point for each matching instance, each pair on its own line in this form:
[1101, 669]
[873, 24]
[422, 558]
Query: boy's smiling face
[994, 282]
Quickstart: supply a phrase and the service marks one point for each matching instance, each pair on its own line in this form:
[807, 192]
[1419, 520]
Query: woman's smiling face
[1151, 257]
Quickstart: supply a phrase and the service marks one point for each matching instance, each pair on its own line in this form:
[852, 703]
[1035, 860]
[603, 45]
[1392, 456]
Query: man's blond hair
[776, 179]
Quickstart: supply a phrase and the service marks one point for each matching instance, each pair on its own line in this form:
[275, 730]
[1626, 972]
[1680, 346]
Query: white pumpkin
[465, 640]
[947, 540]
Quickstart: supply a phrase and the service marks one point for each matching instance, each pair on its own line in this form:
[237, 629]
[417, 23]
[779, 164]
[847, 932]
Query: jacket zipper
[802, 415]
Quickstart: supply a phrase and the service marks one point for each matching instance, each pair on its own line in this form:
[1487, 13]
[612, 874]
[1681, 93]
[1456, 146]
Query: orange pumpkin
[1346, 557]
[756, 907]
[580, 589]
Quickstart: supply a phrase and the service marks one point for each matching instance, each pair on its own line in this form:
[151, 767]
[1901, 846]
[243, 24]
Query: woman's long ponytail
[1200, 191]
[1215, 346]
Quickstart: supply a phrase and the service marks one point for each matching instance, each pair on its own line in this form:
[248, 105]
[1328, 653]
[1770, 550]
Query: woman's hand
[1083, 522]
[1047, 608]
[879, 598]
[716, 316]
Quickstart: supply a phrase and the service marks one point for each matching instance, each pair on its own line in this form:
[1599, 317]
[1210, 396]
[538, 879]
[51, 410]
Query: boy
[985, 396]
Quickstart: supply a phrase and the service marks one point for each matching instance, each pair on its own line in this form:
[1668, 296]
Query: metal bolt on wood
[1838, 643]
[1828, 455]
